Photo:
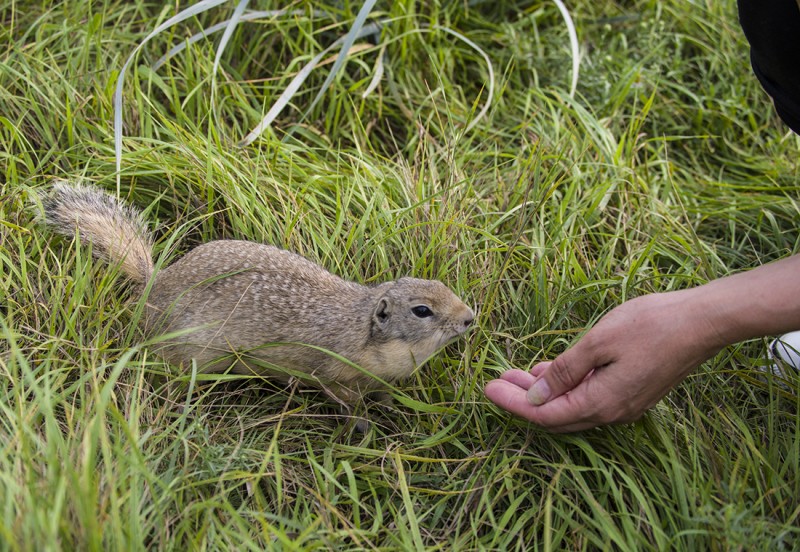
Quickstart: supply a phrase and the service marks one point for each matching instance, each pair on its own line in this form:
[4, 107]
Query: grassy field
[667, 169]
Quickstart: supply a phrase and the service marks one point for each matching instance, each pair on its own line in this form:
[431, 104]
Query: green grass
[668, 169]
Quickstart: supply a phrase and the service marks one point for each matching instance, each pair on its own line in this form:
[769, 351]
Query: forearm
[759, 302]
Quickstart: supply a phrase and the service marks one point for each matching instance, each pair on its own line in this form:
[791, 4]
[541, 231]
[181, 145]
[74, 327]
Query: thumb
[561, 375]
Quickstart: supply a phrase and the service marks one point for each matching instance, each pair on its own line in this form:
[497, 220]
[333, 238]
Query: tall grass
[667, 169]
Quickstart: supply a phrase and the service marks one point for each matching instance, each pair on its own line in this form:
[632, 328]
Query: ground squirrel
[264, 309]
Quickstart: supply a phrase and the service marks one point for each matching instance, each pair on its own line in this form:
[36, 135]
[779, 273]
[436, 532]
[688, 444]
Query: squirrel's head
[414, 318]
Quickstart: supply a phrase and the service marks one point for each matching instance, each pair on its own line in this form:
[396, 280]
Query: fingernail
[538, 393]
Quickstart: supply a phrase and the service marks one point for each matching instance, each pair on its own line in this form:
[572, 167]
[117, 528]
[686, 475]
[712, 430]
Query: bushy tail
[116, 231]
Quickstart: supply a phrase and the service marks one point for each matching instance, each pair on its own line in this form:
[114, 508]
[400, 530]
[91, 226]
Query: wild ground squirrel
[264, 309]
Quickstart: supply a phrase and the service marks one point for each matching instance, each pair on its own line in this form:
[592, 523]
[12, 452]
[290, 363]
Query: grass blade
[573, 44]
[183, 15]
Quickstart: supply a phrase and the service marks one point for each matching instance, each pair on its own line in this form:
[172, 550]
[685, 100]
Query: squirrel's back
[117, 232]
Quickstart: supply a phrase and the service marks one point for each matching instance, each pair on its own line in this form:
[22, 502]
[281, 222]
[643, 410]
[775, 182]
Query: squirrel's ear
[382, 311]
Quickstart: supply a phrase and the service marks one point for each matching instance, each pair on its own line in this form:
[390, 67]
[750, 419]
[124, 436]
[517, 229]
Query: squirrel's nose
[469, 319]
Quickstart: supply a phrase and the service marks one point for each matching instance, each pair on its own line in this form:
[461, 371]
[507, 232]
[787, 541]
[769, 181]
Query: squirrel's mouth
[450, 334]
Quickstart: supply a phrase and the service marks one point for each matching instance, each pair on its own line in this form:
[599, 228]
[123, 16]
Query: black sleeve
[773, 29]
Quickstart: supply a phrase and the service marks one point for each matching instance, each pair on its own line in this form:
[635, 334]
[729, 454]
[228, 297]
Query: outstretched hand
[619, 369]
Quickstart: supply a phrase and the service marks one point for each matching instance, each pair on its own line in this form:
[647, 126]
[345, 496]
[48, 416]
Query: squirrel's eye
[422, 311]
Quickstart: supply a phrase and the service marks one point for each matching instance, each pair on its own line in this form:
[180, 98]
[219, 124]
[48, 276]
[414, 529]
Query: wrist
[718, 318]
[710, 321]
[755, 303]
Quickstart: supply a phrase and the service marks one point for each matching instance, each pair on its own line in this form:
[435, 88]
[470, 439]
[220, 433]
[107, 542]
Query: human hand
[619, 369]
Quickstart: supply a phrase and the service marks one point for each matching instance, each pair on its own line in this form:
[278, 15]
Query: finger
[519, 378]
[558, 416]
[563, 374]
[539, 368]
[510, 397]
[562, 414]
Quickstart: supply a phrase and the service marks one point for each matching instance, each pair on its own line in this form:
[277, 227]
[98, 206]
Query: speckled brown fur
[264, 309]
